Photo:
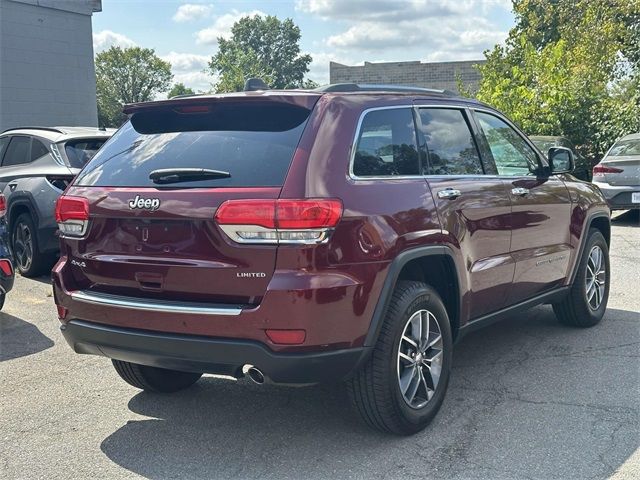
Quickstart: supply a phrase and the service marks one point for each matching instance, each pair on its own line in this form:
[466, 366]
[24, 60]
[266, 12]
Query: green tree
[569, 67]
[179, 89]
[128, 75]
[263, 47]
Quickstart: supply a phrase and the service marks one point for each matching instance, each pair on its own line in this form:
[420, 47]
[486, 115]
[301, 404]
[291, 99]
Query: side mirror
[561, 160]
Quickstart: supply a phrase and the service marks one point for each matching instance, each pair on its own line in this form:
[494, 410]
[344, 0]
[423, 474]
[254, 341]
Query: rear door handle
[519, 191]
[449, 193]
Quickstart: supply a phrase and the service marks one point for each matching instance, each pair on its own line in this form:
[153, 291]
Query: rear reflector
[279, 221]
[601, 169]
[62, 312]
[6, 267]
[286, 337]
[3, 205]
[72, 215]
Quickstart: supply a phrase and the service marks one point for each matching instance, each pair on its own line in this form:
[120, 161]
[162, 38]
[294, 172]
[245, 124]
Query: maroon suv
[351, 232]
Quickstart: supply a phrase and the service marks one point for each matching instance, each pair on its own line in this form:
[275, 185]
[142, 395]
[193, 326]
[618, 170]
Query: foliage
[263, 47]
[570, 68]
[128, 75]
[179, 89]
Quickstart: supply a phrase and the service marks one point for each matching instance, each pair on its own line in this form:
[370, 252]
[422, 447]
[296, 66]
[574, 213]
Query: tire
[2, 297]
[153, 379]
[375, 390]
[580, 307]
[30, 262]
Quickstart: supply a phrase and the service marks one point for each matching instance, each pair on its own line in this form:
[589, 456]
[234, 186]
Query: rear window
[253, 142]
[79, 152]
[625, 148]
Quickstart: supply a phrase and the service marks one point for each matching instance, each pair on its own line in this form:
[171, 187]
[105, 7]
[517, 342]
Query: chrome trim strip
[130, 303]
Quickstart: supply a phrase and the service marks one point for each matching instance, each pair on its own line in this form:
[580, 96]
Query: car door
[473, 206]
[540, 209]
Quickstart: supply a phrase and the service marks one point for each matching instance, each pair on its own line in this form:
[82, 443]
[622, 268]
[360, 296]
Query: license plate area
[635, 197]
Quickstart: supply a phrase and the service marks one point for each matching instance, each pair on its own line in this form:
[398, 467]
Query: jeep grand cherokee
[351, 232]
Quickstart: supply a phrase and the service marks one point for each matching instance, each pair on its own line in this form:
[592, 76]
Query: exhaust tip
[254, 374]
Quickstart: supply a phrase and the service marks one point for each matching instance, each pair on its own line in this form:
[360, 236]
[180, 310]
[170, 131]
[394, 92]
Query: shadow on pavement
[19, 338]
[529, 398]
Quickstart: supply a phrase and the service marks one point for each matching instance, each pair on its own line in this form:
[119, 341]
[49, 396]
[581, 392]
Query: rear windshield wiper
[177, 175]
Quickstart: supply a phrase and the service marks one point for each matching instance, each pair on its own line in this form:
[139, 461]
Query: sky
[344, 31]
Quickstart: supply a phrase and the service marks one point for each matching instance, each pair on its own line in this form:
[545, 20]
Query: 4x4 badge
[144, 203]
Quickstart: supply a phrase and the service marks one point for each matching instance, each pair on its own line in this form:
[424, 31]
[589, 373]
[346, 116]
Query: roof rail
[364, 87]
[49, 129]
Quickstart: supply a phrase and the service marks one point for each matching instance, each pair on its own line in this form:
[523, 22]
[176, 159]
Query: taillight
[599, 170]
[6, 267]
[282, 221]
[3, 205]
[72, 215]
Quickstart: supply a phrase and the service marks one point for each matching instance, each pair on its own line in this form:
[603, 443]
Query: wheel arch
[432, 265]
[601, 221]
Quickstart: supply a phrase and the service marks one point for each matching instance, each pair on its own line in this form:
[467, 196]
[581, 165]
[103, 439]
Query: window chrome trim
[130, 303]
[413, 106]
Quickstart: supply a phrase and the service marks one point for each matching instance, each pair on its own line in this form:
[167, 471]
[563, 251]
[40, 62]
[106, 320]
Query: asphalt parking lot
[529, 398]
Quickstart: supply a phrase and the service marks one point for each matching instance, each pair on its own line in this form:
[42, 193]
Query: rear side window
[386, 144]
[450, 145]
[17, 152]
[38, 149]
[253, 142]
[79, 152]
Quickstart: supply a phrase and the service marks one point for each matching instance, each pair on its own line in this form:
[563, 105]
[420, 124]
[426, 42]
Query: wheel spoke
[406, 357]
[416, 328]
[414, 384]
[428, 393]
[591, 292]
[410, 340]
[435, 357]
[436, 338]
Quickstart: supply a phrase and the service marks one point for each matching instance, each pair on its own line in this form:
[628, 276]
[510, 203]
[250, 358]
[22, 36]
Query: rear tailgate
[160, 241]
[630, 170]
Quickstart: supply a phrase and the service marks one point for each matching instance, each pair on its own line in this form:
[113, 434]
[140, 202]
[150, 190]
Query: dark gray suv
[36, 165]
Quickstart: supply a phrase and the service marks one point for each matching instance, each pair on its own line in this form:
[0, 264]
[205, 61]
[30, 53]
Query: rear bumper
[619, 197]
[208, 355]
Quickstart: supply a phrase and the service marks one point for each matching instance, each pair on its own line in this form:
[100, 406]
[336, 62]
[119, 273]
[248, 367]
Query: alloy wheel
[23, 246]
[420, 359]
[596, 277]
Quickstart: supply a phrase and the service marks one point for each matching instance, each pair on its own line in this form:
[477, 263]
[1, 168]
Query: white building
[47, 75]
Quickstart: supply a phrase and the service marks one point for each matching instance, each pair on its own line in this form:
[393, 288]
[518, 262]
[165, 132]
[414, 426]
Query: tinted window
[510, 152]
[387, 144]
[17, 152]
[79, 152]
[3, 145]
[37, 149]
[625, 148]
[254, 143]
[450, 145]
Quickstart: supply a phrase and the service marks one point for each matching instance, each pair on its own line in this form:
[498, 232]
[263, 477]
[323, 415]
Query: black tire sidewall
[425, 298]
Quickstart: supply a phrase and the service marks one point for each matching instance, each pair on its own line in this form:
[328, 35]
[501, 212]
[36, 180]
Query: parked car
[582, 169]
[618, 173]
[6, 265]
[36, 165]
[346, 233]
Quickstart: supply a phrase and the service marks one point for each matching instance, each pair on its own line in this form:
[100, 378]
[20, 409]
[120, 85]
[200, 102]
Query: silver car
[36, 165]
[618, 174]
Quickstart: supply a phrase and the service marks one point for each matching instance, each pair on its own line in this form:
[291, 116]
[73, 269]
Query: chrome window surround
[352, 155]
[131, 303]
